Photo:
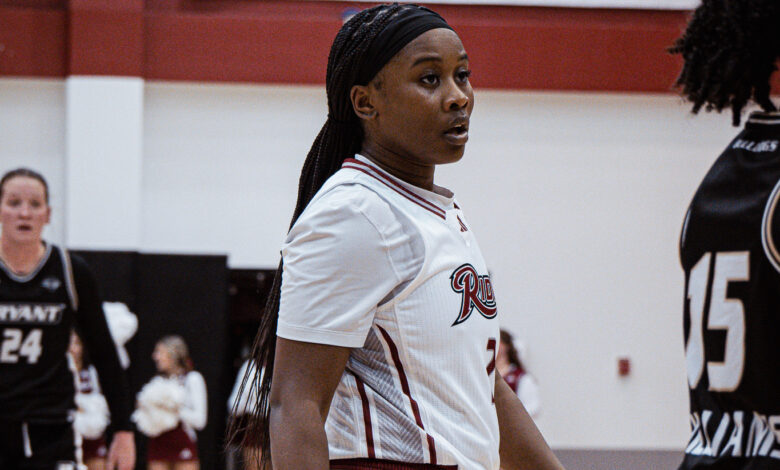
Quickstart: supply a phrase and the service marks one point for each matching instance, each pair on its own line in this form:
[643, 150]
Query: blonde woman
[172, 407]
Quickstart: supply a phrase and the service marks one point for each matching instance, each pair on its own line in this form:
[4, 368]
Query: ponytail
[340, 137]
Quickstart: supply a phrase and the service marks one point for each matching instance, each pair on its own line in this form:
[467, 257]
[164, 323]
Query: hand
[121, 455]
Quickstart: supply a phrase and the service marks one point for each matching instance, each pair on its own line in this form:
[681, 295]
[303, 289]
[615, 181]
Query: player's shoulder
[194, 378]
[77, 264]
[59, 259]
[350, 202]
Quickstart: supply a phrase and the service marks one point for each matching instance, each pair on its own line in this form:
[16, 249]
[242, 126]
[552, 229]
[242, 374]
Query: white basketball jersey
[420, 389]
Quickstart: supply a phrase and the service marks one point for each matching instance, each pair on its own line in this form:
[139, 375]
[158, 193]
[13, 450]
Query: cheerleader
[171, 407]
[511, 368]
[92, 416]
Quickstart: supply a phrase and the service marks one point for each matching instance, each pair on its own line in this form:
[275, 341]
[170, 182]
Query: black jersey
[37, 313]
[729, 250]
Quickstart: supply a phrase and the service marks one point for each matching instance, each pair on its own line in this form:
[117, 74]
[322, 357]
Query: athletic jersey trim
[366, 417]
[684, 230]
[70, 282]
[319, 335]
[27, 277]
[766, 228]
[765, 118]
[376, 464]
[388, 180]
[407, 391]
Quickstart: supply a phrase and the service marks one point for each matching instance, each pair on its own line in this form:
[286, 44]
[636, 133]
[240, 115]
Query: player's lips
[458, 131]
[24, 227]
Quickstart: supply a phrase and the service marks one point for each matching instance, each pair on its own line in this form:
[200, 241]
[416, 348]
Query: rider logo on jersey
[476, 292]
[50, 283]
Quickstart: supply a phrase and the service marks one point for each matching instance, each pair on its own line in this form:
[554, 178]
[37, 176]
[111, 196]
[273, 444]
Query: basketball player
[44, 293]
[386, 299]
[729, 242]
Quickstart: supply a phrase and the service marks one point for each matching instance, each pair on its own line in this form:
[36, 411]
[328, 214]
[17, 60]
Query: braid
[729, 48]
[340, 137]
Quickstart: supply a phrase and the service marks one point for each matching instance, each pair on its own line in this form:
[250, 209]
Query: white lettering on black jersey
[37, 313]
[732, 305]
[30, 313]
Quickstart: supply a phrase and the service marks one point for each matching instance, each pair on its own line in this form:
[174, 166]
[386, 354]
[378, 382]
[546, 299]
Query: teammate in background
[386, 319]
[511, 368]
[729, 242]
[44, 293]
[92, 417]
[176, 448]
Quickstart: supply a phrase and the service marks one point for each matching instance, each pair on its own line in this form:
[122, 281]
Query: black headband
[410, 22]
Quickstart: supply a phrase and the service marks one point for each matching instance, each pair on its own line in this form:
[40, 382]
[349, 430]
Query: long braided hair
[730, 48]
[341, 137]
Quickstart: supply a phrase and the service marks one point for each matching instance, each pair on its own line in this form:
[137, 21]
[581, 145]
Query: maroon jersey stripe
[366, 417]
[384, 178]
[405, 387]
[463, 227]
[389, 179]
[374, 464]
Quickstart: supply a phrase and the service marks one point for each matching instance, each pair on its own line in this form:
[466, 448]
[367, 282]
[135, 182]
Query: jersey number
[15, 345]
[724, 314]
[491, 367]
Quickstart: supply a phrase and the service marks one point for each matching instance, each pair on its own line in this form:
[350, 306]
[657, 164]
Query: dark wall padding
[115, 272]
[174, 294]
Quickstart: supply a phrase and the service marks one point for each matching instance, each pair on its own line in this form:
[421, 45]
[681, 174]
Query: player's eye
[464, 75]
[430, 79]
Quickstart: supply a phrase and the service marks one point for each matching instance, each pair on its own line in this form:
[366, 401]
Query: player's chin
[25, 235]
[451, 154]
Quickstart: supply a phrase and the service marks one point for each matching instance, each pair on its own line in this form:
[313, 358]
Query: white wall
[104, 154]
[577, 200]
[221, 167]
[32, 134]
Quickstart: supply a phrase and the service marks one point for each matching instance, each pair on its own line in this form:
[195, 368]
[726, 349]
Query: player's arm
[338, 266]
[522, 445]
[194, 412]
[304, 380]
[93, 329]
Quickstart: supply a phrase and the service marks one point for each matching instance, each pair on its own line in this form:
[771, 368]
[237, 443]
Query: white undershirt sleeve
[528, 392]
[338, 267]
[193, 411]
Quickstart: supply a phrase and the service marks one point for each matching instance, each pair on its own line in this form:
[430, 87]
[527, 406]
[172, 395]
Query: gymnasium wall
[577, 200]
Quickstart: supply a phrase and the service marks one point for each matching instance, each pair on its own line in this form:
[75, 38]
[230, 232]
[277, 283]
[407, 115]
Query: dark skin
[430, 76]
[415, 116]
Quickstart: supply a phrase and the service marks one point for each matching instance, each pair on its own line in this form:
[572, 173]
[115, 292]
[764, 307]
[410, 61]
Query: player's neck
[21, 258]
[405, 169]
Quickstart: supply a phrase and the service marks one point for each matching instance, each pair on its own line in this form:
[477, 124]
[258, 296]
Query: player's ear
[362, 102]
